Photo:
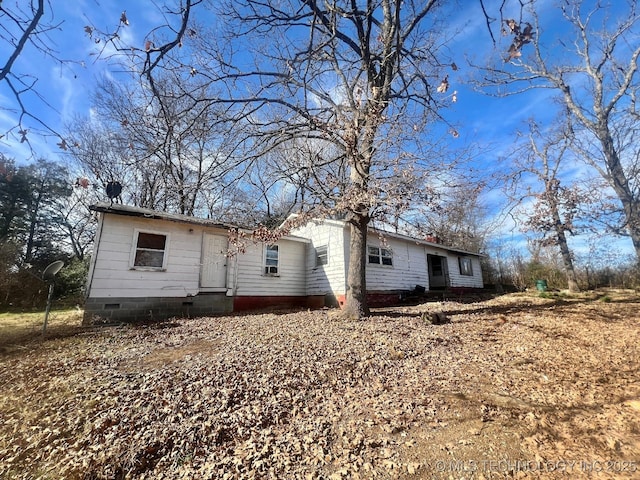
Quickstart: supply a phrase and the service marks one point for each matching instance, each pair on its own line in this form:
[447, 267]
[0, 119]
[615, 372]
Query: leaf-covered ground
[516, 386]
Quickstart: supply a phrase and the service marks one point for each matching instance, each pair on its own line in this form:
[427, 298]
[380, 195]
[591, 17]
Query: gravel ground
[516, 386]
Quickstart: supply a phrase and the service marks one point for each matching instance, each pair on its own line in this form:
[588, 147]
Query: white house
[151, 265]
[396, 264]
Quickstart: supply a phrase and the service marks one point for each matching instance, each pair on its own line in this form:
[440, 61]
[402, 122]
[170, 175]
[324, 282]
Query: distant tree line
[40, 222]
[508, 269]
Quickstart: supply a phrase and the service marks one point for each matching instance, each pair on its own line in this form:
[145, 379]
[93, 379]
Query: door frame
[203, 260]
[444, 264]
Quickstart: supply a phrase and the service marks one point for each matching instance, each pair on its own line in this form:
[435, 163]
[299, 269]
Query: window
[465, 266]
[271, 260]
[436, 266]
[380, 256]
[322, 255]
[150, 251]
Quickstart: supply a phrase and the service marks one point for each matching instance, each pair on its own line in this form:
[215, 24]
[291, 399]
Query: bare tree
[30, 25]
[164, 150]
[457, 217]
[606, 211]
[360, 79]
[597, 82]
[314, 171]
[26, 25]
[78, 225]
[351, 76]
[539, 166]
[103, 155]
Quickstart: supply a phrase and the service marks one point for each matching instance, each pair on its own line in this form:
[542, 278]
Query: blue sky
[487, 123]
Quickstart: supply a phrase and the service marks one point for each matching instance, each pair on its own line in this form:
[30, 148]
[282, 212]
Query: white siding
[290, 281]
[408, 270]
[329, 278]
[113, 276]
[458, 280]
[409, 262]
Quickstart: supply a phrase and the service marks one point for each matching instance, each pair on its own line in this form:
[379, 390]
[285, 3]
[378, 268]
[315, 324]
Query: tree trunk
[561, 238]
[33, 222]
[631, 208]
[572, 281]
[356, 303]
[361, 154]
[620, 184]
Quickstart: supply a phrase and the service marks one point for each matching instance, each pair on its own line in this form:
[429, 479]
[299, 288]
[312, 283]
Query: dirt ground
[516, 386]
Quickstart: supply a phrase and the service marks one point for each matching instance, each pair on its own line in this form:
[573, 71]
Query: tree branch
[27, 32]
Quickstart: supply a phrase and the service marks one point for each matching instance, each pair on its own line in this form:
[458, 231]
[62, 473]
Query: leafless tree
[606, 211]
[539, 164]
[24, 25]
[164, 150]
[103, 155]
[31, 25]
[347, 74]
[361, 80]
[596, 78]
[457, 217]
[76, 221]
[314, 171]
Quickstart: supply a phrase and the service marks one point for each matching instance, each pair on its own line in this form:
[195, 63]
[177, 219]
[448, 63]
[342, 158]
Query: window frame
[267, 270]
[135, 249]
[319, 256]
[465, 265]
[381, 255]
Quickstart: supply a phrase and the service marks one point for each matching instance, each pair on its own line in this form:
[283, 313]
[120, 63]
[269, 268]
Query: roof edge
[131, 211]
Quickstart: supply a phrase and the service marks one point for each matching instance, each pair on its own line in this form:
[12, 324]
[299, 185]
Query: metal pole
[46, 313]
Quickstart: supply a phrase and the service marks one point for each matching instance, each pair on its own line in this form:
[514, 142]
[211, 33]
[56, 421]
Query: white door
[214, 262]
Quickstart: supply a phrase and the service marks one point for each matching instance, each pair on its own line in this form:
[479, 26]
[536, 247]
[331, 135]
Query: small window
[271, 260]
[150, 251]
[380, 256]
[465, 266]
[322, 255]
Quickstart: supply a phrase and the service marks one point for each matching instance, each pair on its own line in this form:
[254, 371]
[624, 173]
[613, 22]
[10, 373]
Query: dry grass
[512, 387]
[20, 329]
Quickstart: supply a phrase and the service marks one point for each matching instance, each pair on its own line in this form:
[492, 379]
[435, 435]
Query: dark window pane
[436, 266]
[322, 257]
[151, 241]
